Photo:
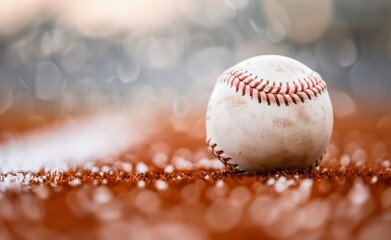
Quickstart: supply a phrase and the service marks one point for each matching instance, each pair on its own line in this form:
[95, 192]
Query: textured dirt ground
[171, 188]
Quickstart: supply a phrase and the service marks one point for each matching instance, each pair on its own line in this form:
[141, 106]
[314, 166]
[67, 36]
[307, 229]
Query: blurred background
[63, 57]
[102, 119]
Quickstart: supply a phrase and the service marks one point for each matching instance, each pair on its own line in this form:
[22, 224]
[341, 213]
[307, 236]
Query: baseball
[269, 113]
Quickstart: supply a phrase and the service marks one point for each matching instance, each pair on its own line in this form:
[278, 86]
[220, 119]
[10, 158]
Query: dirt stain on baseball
[292, 160]
[283, 122]
[303, 115]
[235, 103]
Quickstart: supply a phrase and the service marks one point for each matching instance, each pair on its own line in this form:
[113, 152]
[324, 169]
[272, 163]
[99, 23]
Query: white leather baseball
[269, 113]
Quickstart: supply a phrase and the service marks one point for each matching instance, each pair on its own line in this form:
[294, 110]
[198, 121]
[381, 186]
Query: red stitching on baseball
[259, 97]
[219, 153]
[268, 99]
[256, 84]
[296, 88]
[270, 92]
[263, 87]
[279, 88]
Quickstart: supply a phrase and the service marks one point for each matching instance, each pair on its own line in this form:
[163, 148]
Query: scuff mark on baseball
[269, 113]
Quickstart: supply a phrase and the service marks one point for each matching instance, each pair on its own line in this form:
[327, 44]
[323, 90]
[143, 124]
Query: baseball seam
[219, 153]
[271, 91]
[225, 159]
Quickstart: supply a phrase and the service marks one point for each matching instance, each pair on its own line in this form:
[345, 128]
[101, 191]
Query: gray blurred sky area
[63, 56]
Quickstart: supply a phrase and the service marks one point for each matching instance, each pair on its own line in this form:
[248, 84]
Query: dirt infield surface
[170, 187]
